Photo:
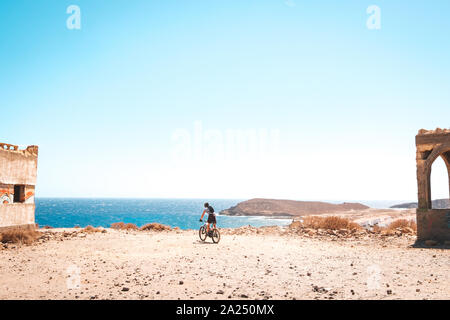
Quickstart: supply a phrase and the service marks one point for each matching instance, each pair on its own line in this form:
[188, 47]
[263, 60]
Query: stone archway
[445, 155]
[431, 223]
[425, 161]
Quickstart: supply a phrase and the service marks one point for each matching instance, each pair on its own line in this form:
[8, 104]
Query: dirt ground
[177, 265]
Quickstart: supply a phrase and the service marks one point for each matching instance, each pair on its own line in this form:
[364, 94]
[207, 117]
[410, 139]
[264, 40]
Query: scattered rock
[319, 289]
[125, 289]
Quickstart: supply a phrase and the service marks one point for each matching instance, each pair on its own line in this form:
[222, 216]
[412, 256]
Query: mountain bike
[214, 233]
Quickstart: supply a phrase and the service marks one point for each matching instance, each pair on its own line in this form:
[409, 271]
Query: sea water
[182, 213]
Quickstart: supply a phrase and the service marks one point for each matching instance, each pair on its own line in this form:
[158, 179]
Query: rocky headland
[437, 204]
[288, 208]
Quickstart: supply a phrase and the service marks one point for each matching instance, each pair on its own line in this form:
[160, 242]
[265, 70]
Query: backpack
[211, 209]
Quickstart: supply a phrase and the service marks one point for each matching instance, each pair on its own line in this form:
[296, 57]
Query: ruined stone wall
[17, 214]
[431, 223]
[18, 166]
[7, 194]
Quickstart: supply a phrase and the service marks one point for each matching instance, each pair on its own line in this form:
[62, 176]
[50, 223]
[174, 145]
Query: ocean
[182, 213]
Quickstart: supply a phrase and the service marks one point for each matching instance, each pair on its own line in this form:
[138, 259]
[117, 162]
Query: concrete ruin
[433, 224]
[18, 172]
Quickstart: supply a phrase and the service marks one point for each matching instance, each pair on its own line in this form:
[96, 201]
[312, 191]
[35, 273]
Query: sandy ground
[177, 265]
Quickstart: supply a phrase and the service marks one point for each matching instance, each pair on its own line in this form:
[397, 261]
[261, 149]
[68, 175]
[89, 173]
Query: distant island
[287, 208]
[437, 204]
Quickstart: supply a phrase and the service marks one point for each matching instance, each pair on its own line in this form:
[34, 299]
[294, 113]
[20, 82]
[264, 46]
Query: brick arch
[442, 151]
[431, 223]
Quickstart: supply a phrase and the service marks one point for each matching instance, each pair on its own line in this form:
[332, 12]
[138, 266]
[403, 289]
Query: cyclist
[211, 217]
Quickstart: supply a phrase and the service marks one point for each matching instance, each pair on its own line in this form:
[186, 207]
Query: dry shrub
[329, 223]
[19, 235]
[117, 225]
[155, 227]
[124, 226]
[295, 224]
[402, 223]
[148, 227]
[91, 229]
[403, 226]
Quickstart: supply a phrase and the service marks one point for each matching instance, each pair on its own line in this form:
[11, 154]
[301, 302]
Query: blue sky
[106, 103]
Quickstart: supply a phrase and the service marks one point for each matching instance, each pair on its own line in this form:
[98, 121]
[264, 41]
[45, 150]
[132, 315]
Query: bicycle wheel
[216, 236]
[202, 233]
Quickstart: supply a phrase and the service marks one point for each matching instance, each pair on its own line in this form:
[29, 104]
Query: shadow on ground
[422, 245]
[203, 242]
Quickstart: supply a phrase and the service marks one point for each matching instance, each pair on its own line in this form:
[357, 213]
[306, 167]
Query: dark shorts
[211, 218]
